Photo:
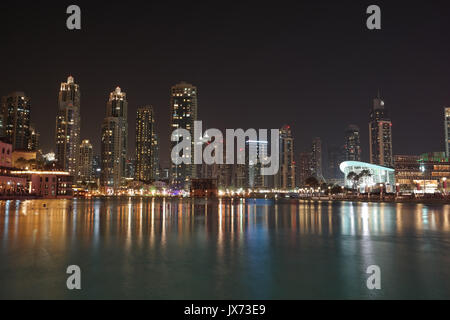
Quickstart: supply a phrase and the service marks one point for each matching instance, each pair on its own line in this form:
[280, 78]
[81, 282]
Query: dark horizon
[314, 66]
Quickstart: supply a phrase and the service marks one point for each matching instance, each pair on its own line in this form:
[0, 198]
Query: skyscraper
[380, 134]
[304, 167]
[316, 159]
[2, 125]
[114, 140]
[156, 170]
[85, 163]
[146, 144]
[67, 134]
[447, 132]
[183, 104]
[352, 143]
[16, 109]
[260, 149]
[33, 143]
[336, 155]
[286, 174]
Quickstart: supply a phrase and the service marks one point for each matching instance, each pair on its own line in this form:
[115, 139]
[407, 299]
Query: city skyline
[298, 80]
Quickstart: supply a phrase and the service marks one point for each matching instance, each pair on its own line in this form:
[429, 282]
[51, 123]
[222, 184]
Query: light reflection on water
[244, 249]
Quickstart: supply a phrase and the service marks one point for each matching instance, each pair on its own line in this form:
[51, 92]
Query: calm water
[253, 249]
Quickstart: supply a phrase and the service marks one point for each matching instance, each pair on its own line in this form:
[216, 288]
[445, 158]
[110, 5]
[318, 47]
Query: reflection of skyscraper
[68, 126]
[16, 109]
[316, 159]
[146, 145]
[183, 104]
[352, 144]
[380, 135]
[114, 140]
[447, 132]
[286, 175]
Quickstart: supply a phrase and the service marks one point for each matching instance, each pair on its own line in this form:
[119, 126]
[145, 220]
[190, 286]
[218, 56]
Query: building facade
[447, 131]
[260, 149]
[379, 177]
[85, 174]
[285, 179]
[316, 159]
[184, 108]
[34, 142]
[114, 145]
[304, 166]
[336, 155]
[380, 135]
[352, 146]
[16, 110]
[146, 145]
[68, 126]
[416, 173]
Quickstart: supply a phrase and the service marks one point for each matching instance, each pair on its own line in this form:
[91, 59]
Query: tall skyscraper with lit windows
[16, 110]
[67, 134]
[305, 170]
[285, 179]
[352, 146]
[316, 159]
[184, 108]
[146, 145]
[114, 145]
[447, 131]
[85, 163]
[380, 135]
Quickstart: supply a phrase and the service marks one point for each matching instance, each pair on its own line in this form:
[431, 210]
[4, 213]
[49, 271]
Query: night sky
[311, 64]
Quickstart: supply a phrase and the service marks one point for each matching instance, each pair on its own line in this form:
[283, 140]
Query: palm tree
[356, 178]
[351, 176]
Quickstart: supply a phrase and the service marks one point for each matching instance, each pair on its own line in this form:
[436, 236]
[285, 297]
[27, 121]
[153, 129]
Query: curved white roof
[347, 164]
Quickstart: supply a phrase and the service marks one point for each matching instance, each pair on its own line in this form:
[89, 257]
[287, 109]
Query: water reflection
[261, 246]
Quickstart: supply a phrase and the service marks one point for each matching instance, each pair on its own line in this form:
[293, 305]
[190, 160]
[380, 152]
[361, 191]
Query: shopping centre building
[429, 172]
[378, 176]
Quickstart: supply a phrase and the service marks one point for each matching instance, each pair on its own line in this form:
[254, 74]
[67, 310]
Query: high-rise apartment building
[286, 175]
[155, 157]
[316, 159]
[146, 145]
[336, 155]
[33, 143]
[447, 131]
[16, 110]
[380, 135]
[67, 134]
[184, 107]
[260, 148]
[114, 140]
[305, 170]
[85, 163]
[352, 146]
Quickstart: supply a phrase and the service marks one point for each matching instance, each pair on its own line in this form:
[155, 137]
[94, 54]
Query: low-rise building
[428, 172]
[378, 176]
